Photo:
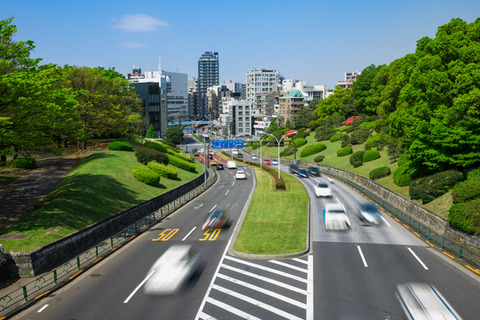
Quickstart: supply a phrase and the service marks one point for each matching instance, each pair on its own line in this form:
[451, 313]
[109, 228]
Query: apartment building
[262, 89]
[208, 76]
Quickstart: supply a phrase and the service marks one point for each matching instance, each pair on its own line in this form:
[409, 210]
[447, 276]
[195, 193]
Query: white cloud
[139, 23]
[133, 45]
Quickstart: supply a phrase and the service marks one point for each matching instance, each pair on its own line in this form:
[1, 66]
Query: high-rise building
[208, 76]
[193, 106]
[263, 89]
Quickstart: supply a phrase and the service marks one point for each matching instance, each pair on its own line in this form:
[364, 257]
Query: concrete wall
[51, 255]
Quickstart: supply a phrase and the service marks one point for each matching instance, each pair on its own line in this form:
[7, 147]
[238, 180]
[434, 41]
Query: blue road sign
[217, 144]
[239, 144]
[228, 144]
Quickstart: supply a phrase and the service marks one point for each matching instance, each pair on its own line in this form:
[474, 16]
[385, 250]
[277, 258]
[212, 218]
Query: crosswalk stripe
[289, 266]
[231, 309]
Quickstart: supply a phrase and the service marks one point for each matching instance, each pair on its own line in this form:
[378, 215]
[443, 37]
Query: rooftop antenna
[159, 63]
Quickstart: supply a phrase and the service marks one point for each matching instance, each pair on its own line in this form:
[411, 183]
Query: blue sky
[315, 41]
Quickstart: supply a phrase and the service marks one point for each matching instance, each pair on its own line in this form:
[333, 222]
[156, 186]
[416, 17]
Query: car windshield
[322, 185]
[337, 211]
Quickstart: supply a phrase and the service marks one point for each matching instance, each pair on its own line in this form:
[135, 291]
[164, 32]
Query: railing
[47, 282]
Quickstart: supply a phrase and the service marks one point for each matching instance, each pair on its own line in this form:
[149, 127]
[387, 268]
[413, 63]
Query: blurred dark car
[215, 219]
[293, 168]
[239, 155]
[303, 173]
[314, 171]
[220, 166]
[368, 212]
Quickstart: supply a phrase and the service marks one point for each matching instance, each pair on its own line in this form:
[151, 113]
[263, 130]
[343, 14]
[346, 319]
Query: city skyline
[313, 41]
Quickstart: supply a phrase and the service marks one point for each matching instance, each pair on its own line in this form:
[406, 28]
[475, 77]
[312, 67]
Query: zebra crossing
[247, 289]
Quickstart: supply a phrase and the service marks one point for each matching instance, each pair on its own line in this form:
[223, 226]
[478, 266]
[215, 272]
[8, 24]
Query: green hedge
[465, 216]
[379, 173]
[145, 155]
[319, 159]
[286, 152]
[336, 137]
[182, 164]
[162, 170]
[466, 191]
[356, 159]
[155, 145]
[180, 155]
[24, 163]
[315, 148]
[146, 175]
[401, 177]
[300, 142]
[430, 187]
[120, 146]
[370, 155]
[345, 151]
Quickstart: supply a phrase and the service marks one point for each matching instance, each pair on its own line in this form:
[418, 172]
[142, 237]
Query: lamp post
[289, 133]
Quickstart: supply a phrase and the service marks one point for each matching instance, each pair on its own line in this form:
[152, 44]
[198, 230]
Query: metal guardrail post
[25, 295]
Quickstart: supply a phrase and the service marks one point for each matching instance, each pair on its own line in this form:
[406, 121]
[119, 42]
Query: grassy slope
[101, 186]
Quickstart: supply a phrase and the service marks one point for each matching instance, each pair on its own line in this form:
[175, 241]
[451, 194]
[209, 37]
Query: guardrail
[47, 282]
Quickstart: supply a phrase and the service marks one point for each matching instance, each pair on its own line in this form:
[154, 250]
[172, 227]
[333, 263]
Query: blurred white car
[335, 217]
[274, 162]
[424, 301]
[240, 174]
[234, 151]
[369, 213]
[254, 157]
[322, 190]
[171, 270]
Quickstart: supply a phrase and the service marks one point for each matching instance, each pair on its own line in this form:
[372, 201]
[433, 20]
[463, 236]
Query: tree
[151, 132]
[341, 102]
[174, 135]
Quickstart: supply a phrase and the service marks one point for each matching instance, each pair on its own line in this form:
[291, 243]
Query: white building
[262, 89]
[237, 117]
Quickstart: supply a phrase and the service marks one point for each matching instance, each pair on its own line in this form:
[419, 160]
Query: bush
[466, 191]
[155, 145]
[146, 175]
[379, 173]
[120, 146]
[182, 164]
[24, 163]
[357, 157]
[401, 177]
[336, 137]
[315, 148]
[368, 124]
[465, 216]
[169, 145]
[182, 156]
[431, 187]
[319, 159]
[370, 155]
[286, 152]
[402, 160]
[300, 142]
[346, 141]
[162, 170]
[145, 155]
[345, 151]
[360, 135]
[474, 174]
[3, 255]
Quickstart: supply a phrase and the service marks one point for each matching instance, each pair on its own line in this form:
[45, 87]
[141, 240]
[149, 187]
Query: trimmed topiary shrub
[370, 155]
[120, 146]
[431, 187]
[24, 163]
[145, 155]
[465, 216]
[319, 159]
[182, 156]
[146, 175]
[155, 145]
[162, 170]
[345, 151]
[286, 152]
[379, 173]
[355, 158]
[401, 177]
[336, 137]
[182, 164]
[315, 148]
[300, 142]
[466, 191]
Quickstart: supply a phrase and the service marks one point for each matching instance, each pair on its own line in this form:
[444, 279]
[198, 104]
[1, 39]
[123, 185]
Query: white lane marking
[201, 205]
[301, 261]
[231, 309]
[363, 258]
[388, 224]
[288, 266]
[233, 183]
[262, 278]
[256, 303]
[205, 316]
[310, 289]
[212, 208]
[42, 308]
[285, 274]
[227, 192]
[418, 259]
[139, 286]
[264, 291]
[189, 233]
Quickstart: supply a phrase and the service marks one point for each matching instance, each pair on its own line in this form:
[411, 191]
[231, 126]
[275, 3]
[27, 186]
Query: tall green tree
[174, 135]
[340, 102]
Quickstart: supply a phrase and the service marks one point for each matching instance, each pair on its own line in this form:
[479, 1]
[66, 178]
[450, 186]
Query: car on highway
[274, 162]
[240, 174]
[368, 212]
[254, 157]
[215, 219]
[424, 301]
[234, 151]
[169, 272]
[335, 217]
[231, 165]
[314, 171]
[220, 166]
[239, 155]
[267, 162]
[302, 173]
[322, 190]
[294, 168]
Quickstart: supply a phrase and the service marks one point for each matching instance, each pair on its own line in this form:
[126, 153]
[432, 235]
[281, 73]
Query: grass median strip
[276, 220]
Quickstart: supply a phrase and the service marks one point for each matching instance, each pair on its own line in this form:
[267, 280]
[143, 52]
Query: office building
[208, 76]
[262, 89]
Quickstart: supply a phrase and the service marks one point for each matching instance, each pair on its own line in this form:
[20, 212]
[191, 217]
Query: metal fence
[47, 282]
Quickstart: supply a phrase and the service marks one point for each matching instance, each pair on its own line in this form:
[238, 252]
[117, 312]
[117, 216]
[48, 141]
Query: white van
[231, 165]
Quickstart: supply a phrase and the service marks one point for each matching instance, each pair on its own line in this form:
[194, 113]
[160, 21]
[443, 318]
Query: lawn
[100, 186]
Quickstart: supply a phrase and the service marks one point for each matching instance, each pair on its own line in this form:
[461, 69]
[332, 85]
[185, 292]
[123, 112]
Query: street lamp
[289, 134]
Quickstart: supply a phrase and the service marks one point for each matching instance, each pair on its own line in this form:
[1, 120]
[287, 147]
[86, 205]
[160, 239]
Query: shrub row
[24, 163]
[155, 145]
[466, 191]
[120, 146]
[379, 173]
[162, 170]
[145, 155]
[345, 151]
[309, 150]
[465, 216]
[146, 175]
[179, 163]
[182, 156]
[431, 187]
